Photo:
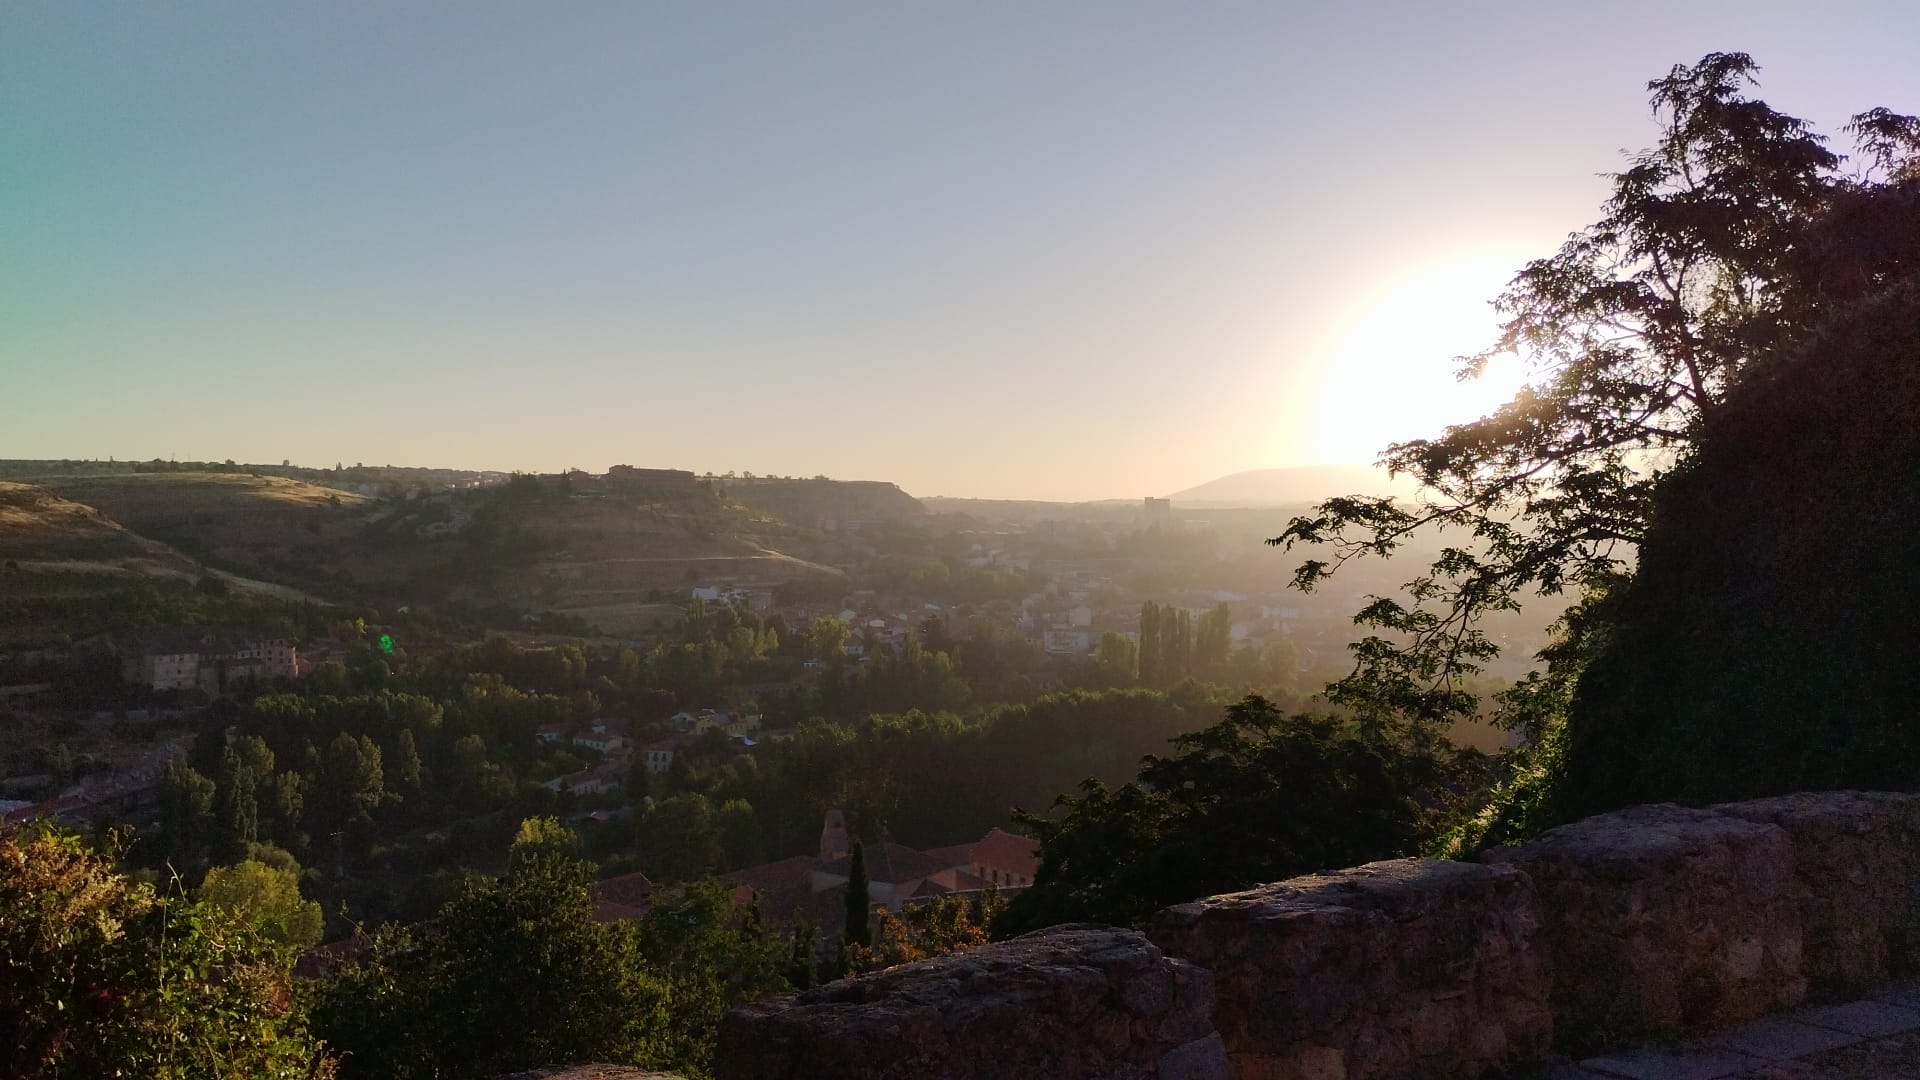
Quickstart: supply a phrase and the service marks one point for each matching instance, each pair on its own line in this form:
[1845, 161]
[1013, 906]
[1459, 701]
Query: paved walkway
[1875, 1038]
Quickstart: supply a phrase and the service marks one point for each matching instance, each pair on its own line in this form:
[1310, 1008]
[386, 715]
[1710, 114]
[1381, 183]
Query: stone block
[1073, 1002]
[1701, 1064]
[1856, 858]
[1776, 1038]
[1660, 919]
[1401, 969]
[1869, 1019]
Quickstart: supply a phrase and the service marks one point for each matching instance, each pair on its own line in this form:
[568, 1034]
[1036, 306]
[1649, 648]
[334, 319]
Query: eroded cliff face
[1621, 927]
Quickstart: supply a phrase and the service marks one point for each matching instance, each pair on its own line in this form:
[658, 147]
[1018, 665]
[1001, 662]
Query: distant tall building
[1159, 508]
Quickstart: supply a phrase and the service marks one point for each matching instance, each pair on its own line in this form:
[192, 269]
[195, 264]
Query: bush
[105, 977]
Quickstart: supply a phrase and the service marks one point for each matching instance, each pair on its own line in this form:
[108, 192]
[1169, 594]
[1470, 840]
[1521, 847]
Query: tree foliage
[103, 976]
[1734, 234]
[921, 931]
[1258, 797]
[512, 974]
[1766, 645]
[268, 898]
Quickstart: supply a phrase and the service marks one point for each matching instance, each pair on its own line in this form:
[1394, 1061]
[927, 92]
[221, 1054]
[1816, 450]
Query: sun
[1391, 377]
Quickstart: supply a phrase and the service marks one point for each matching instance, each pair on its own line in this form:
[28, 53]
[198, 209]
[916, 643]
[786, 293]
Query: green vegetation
[107, 977]
[513, 973]
[1258, 797]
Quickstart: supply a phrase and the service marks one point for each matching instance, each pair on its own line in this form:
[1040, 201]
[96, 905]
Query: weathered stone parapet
[590, 1073]
[1069, 1002]
[1856, 860]
[1661, 918]
[1405, 969]
[1648, 922]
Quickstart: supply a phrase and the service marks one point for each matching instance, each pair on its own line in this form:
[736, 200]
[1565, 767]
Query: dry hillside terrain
[42, 531]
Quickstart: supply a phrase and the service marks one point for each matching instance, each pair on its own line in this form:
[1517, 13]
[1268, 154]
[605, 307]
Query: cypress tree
[1149, 643]
[859, 900]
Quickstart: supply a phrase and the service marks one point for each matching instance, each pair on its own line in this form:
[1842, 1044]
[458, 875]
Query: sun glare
[1391, 378]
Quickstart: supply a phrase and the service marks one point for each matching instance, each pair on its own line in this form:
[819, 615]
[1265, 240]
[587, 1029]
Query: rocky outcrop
[1661, 918]
[1089, 1002]
[1405, 969]
[1856, 879]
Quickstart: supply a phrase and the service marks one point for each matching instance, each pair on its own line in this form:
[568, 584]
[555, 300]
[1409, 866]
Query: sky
[1069, 250]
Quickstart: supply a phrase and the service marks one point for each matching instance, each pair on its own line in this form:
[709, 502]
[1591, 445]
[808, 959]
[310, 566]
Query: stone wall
[1618, 928]
[1069, 1001]
[1405, 968]
[1661, 918]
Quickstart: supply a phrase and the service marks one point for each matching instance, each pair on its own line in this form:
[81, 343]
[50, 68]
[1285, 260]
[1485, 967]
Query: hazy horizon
[1078, 253]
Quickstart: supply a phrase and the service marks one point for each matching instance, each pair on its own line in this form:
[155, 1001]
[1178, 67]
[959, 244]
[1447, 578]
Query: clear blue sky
[1061, 250]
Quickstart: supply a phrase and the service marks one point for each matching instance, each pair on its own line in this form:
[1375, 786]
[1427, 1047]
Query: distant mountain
[1285, 487]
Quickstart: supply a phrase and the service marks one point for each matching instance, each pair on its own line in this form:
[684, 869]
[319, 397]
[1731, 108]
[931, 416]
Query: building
[183, 659]
[623, 897]
[1067, 641]
[605, 742]
[164, 668]
[1000, 858]
[657, 757]
[812, 888]
[595, 781]
[1159, 508]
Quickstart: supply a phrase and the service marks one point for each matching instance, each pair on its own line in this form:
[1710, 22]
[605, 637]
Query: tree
[741, 841]
[828, 639]
[268, 898]
[543, 837]
[1118, 656]
[406, 769]
[105, 977]
[349, 785]
[859, 900]
[1258, 797]
[1150, 664]
[513, 973]
[921, 931]
[1716, 248]
[186, 813]
[1213, 639]
[713, 956]
[1765, 645]
[677, 839]
[239, 807]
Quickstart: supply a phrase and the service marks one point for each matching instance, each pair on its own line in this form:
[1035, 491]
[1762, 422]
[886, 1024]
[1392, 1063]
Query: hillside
[619, 555]
[1294, 486]
[822, 503]
[39, 530]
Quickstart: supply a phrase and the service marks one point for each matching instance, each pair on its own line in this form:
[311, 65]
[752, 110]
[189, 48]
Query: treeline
[927, 779]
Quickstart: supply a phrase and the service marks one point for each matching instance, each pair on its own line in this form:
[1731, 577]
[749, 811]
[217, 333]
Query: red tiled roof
[890, 863]
[1001, 850]
[631, 889]
[789, 873]
[953, 855]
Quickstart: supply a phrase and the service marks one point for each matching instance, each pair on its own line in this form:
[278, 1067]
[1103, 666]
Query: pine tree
[406, 763]
[859, 898]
